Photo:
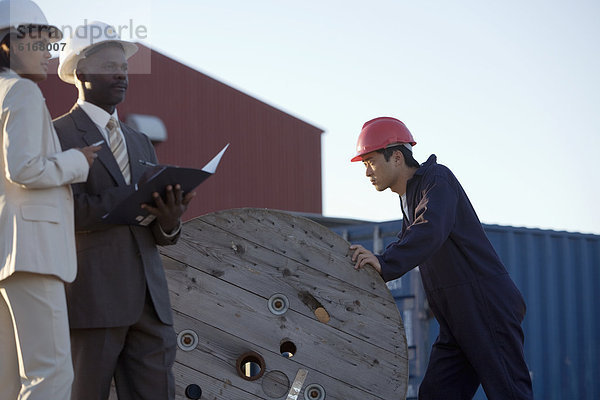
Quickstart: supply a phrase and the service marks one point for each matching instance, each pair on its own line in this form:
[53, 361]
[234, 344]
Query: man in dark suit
[119, 310]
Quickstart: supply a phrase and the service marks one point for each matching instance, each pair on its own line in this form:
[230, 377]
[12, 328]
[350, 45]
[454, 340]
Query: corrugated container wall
[559, 276]
[274, 160]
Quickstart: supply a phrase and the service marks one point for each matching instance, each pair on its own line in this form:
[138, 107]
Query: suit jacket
[117, 263]
[36, 202]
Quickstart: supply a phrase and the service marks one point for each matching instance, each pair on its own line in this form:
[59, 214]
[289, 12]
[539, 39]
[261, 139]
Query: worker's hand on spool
[364, 257]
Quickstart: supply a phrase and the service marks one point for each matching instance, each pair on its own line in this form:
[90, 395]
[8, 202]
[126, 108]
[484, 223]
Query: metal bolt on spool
[187, 340]
[278, 304]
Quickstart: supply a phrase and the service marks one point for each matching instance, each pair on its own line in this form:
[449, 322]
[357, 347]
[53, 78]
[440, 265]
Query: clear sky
[506, 94]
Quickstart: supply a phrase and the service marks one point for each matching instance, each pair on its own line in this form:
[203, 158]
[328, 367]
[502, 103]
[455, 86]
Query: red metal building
[274, 160]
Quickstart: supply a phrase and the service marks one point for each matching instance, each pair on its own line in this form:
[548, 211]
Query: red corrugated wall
[274, 160]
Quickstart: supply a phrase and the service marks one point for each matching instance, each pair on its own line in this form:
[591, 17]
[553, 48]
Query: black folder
[129, 211]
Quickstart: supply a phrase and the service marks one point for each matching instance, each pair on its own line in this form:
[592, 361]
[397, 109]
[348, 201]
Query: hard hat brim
[66, 68]
[14, 14]
[54, 33]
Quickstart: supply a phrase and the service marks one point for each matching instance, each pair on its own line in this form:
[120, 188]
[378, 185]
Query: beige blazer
[36, 202]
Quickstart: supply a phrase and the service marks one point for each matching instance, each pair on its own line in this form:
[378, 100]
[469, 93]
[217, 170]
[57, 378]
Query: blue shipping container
[559, 276]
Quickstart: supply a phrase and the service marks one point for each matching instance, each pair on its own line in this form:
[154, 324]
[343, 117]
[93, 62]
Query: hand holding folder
[156, 179]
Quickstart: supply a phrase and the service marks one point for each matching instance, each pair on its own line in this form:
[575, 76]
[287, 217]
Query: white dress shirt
[100, 117]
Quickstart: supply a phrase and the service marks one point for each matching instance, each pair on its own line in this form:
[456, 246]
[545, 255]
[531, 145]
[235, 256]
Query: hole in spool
[193, 392]
[250, 366]
[287, 348]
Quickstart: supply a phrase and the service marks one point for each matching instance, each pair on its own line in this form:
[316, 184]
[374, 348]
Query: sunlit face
[29, 55]
[380, 172]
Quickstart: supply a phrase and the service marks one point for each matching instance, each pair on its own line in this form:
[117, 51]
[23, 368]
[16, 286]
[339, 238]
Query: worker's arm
[434, 219]
[25, 143]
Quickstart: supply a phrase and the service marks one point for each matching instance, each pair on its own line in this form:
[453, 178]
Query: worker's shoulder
[128, 130]
[434, 172]
[432, 168]
[16, 89]
[65, 124]
[63, 119]
[441, 170]
[24, 86]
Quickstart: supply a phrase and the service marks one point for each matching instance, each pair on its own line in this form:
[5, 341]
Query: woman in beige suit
[37, 246]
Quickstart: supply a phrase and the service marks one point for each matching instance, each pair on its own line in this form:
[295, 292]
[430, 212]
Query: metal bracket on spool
[297, 385]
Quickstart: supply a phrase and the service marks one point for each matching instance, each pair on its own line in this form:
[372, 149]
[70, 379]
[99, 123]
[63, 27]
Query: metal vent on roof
[151, 125]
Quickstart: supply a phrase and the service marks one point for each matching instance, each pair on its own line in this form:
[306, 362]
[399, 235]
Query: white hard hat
[84, 38]
[15, 13]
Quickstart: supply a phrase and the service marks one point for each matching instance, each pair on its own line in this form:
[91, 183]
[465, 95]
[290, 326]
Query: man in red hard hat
[477, 305]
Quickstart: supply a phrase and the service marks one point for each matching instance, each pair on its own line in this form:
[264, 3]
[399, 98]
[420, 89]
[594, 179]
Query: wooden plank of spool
[245, 316]
[245, 262]
[280, 292]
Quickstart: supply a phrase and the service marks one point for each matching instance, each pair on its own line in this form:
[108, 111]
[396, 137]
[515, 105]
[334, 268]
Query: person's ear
[398, 158]
[82, 76]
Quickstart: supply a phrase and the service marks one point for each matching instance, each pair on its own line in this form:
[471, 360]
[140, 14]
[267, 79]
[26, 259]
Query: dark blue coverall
[477, 305]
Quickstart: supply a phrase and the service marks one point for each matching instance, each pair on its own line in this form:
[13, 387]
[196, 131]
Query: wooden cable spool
[268, 306]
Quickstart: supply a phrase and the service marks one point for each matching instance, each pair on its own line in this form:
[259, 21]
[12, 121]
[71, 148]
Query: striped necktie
[118, 148]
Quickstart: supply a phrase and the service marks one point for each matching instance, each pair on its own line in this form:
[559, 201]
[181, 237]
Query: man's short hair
[408, 156]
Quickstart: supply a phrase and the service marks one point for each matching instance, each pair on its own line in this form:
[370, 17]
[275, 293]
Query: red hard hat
[379, 133]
